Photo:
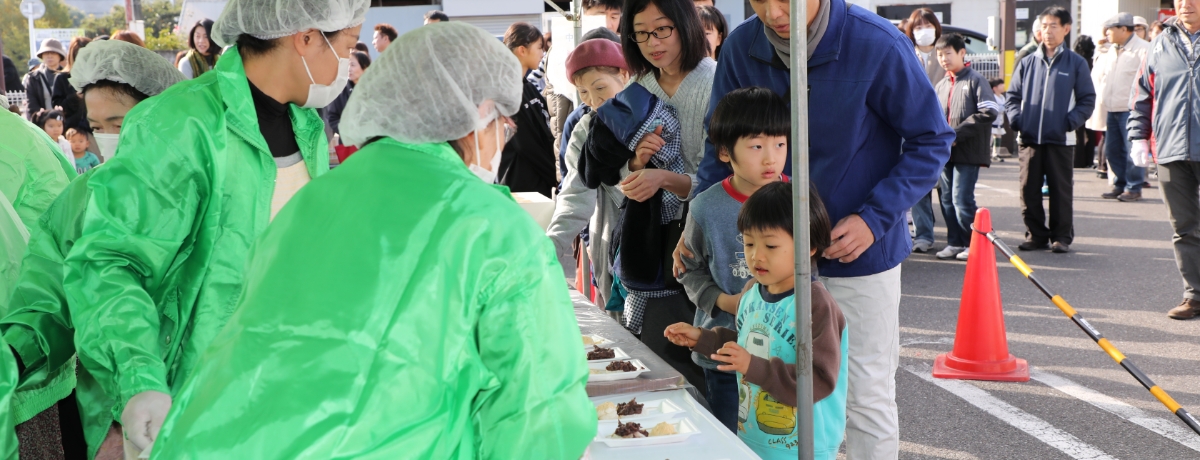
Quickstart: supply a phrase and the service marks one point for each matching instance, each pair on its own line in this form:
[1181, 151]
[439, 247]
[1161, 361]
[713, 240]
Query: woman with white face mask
[439, 325]
[113, 76]
[924, 29]
[198, 174]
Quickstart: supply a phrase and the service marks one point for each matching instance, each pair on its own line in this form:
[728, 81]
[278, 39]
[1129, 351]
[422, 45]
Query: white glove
[1140, 153]
[143, 417]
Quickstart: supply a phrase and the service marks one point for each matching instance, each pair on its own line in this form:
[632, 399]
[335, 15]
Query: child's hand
[738, 358]
[682, 334]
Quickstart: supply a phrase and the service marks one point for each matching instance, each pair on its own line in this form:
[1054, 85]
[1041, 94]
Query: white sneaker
[963, 255]
[950, 252]
[922, 246]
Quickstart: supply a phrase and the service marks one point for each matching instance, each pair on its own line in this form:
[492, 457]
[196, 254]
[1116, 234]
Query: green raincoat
[32, 169]
[397, 308]
[12, 241]
[158, 267]
[38, 325]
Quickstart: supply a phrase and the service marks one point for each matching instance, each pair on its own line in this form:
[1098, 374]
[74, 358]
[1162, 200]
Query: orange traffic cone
[980, 344]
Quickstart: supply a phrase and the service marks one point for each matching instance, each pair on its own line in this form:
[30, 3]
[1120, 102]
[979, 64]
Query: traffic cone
[980, 344]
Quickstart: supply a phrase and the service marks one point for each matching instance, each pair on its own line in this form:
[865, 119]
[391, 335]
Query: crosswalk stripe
[1019, 419]
[1165, 428]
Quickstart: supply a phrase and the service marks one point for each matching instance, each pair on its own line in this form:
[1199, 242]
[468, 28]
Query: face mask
[925, 37]
[488, 176]
[107, 144]
[320, 96]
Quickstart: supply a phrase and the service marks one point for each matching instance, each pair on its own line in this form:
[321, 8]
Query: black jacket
[65, 96]
[528, 163]
[333, 112]
[12, 78]
[1048, 98]
[41, 83]
[970, 107]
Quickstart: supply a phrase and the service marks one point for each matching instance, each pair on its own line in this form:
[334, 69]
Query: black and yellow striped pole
[1107, 346]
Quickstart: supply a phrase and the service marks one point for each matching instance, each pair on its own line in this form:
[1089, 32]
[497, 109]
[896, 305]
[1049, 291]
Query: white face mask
[487, 175]
[925, 37]
[320, 96]
[107, 144]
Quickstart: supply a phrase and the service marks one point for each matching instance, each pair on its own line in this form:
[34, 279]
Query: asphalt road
[1121, 276]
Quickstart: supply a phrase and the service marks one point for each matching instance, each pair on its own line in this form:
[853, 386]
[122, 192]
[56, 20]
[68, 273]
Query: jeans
[1179, 181]
[1116, 146]
[871, 305]
[923, 217]
[722, 397]
[958, 201]
[1049, 164]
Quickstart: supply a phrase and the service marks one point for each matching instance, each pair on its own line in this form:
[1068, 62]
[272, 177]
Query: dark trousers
[1053, 164]
[664, 312]
[723, 397]
[1180, 181]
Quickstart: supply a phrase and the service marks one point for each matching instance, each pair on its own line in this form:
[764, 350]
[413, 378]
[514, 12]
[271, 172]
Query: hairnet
[429, 84]
[123, 62]
[271, 19]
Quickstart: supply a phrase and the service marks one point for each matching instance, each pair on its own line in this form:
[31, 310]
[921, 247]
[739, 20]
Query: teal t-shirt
[86, 162]
[767, 328]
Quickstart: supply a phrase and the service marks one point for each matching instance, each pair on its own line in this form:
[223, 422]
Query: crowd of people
[185, 274]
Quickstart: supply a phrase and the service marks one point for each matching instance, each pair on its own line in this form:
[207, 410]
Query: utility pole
[1008, 37]
[800, 227]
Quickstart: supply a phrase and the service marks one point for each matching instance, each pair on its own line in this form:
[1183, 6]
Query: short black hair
[770, 208]
[360, 46]
[249, 45]
[693, 45]
[119, 89]
[1064, 16]
[602, 32]
[996, 81]
[953, 41]
[746, 112]
[364, 59]
[711, 17]
[607, 4]
[387, 30]
[437, 15]
[523, 34]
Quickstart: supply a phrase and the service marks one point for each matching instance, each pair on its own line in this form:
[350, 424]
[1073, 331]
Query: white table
[714, 442]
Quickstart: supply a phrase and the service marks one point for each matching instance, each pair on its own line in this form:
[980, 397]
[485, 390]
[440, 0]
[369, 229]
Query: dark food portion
[623, 366]
[630, 408]
[631, 430]
[601, 353]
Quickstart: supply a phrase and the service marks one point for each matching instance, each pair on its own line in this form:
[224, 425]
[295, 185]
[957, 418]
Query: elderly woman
[112, 77]
[199, 173]
[439, 329]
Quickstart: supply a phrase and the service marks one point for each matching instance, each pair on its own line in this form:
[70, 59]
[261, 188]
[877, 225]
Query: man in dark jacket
[970, 107]
[863, 170]
[1049, 97]
[1164, 110]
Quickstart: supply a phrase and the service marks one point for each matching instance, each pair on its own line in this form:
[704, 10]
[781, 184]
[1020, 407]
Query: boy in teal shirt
[84, 160]
[762, 351]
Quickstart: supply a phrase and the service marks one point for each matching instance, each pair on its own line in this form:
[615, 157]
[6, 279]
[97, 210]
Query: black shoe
[1113, 194]
[1032, 246]
[1130, 196]
[1102, 175]
[1060, 248]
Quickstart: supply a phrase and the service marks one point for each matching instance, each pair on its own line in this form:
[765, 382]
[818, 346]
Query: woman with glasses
[667, 53]
[528, 163]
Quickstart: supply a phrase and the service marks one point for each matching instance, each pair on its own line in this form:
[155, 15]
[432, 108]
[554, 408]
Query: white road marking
[1000, 190]
[1024, 421]
[1165, 428]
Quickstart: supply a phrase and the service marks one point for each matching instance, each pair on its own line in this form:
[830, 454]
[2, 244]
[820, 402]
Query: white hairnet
[429, 84]
[271, 19]
[123, 62]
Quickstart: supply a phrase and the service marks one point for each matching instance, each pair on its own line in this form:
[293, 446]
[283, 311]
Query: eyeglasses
[659, 33]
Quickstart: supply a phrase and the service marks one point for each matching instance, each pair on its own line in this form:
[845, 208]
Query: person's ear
[723, 155]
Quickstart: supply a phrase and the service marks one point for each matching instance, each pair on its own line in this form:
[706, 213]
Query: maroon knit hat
[595, 52]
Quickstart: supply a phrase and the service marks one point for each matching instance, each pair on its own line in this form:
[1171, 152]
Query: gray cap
[52, 45]
[1121, 19]
[1140, 21]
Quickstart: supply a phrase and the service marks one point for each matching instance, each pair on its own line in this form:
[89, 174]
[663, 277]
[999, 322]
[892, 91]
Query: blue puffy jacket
[1168, 98]
[867, 92]
[1039, 100]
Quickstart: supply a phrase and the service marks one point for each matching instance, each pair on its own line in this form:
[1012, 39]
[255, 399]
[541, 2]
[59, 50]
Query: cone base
[1019, 374]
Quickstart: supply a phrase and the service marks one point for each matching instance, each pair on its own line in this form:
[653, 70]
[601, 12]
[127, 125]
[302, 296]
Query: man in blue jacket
[1050, 96]
[1164, 111]
[879, 141]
